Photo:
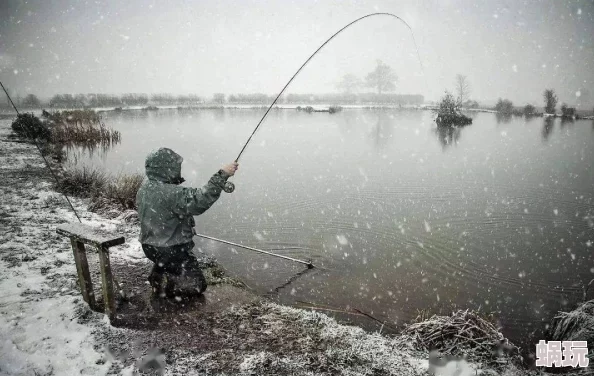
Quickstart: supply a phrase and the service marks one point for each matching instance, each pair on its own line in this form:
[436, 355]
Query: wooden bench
[80, 235]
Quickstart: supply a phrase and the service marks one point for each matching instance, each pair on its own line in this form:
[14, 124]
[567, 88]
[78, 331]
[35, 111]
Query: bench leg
[84, 277]
[107, 279]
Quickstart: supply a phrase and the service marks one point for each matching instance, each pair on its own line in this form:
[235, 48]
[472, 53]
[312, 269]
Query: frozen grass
[301, 342]
[106, 192]
[308, 342]
[464, 333]
[577, 325]
[82, 182]
[119, 191]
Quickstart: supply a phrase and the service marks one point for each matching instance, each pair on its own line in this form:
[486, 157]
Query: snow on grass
[39, 296]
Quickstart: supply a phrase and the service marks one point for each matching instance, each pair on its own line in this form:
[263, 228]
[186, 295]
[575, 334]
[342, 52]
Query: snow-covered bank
[39, 297]
[46, 328]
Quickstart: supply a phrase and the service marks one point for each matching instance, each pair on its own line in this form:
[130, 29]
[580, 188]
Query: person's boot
[170, 285]
[190, 285]
[156, 281]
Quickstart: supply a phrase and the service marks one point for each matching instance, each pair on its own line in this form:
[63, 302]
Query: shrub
[334, 109]
[504, 106]
[567, 111]
[29, 126]
[529, 110]
[448, 105]
[448, 112]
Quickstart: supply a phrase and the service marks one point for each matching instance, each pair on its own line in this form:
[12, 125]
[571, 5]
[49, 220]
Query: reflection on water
[502, 118]
[496, 223]
[383, 130]
[448, 136]
[81, 151]
[547, 129]
[566, 121]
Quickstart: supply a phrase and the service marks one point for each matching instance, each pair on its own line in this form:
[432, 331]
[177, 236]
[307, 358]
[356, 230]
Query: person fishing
[166, 213]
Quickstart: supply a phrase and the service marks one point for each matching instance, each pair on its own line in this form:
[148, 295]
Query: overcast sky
[511, 49]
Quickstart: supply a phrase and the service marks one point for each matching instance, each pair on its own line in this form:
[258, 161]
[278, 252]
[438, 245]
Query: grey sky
[510, 49]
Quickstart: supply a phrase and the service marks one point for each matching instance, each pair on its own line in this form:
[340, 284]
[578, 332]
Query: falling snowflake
[427, 227]
[342, 239]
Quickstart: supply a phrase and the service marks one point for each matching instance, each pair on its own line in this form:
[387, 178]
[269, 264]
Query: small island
[449, 113]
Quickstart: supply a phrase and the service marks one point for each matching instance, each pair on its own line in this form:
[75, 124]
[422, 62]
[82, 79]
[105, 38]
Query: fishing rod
[229, 186]
[307, 263]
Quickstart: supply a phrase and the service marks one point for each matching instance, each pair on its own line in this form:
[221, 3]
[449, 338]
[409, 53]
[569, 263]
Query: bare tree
[462, 89]
[31, 101]
[218, 98]
[382, 78]
[349, 83]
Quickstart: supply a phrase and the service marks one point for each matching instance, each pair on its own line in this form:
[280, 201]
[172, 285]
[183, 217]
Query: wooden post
[82, 269]
[107, 282]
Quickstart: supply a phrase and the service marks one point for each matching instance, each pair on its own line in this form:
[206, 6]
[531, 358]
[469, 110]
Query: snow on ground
[39, 297]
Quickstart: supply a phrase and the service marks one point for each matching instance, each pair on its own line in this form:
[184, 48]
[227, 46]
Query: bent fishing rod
[229, 186]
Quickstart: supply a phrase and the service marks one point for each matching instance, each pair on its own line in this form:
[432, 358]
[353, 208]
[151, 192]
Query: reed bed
[84, 133]
[79, 126]
[462, 333]
[72, 116]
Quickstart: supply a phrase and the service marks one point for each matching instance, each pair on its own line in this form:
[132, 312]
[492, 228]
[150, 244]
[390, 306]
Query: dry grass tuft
[577, 325]
[463, 333]
[106, 192]
[82, 182]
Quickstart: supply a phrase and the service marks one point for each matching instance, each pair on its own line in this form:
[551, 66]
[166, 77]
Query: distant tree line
[133, 99]
[506, 107]
[104, 100]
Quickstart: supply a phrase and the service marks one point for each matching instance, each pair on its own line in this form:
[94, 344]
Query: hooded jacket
[166, 210]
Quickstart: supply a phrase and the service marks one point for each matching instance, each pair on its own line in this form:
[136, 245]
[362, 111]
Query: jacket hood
[164, 165]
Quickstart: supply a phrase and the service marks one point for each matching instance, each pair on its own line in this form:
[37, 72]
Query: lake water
[497, 216]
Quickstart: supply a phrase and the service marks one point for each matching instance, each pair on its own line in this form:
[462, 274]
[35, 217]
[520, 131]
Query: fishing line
[318, 50]
[41, 153]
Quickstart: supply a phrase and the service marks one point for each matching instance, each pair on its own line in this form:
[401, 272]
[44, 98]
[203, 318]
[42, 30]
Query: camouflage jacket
[166, 210]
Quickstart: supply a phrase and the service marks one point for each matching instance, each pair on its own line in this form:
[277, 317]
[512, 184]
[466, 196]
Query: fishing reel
[229, 187]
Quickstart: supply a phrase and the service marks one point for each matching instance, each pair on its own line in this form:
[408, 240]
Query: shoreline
[316, 108]
[49, 329]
